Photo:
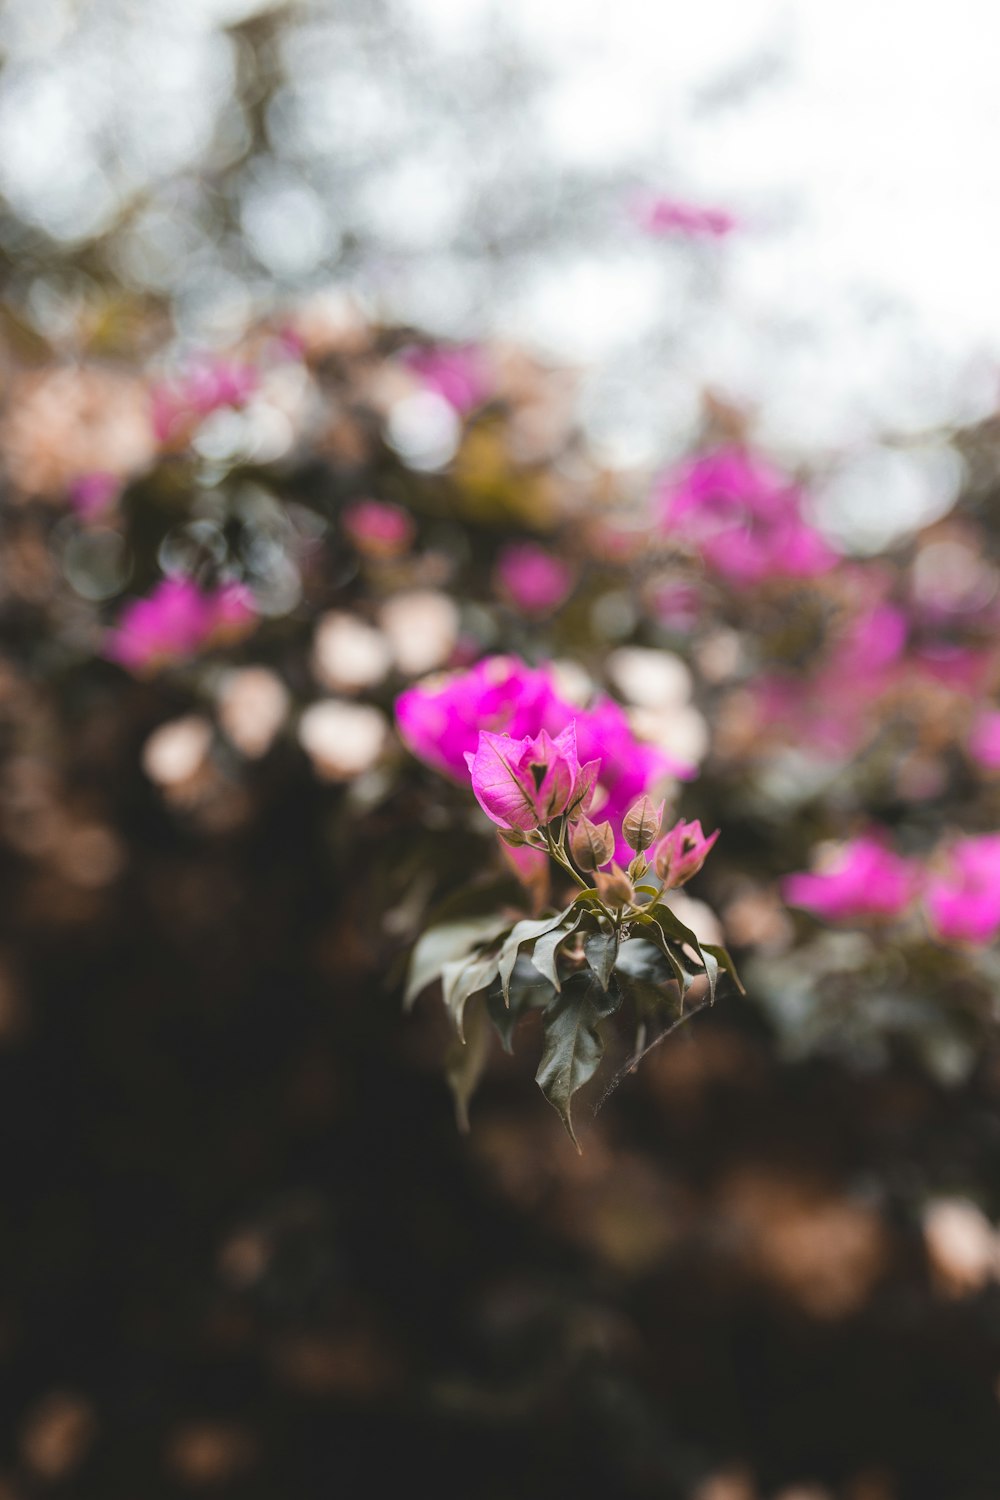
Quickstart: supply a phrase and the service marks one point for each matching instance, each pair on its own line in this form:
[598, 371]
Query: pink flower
[526, 783]
[440, 720]
[743, 515]
[866, 879]
[663, 215]
[984, 741]
[458, 373]
[681, 853]
[532, 579]
[208, 385]
[93, 495]
[964, 905]
[174, 622]
[378, 528]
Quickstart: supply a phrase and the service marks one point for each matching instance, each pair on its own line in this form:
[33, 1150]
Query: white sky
[858, 141]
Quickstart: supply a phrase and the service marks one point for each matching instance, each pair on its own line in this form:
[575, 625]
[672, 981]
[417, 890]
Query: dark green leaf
[673, 928]
[722, 958]
[546, 950]
[642, 959]
[573, 1044]
[444, 943]
[525, 931]
[528, 991]
[601, 949]
[647, 997]
[670, 950]
[466, 1060]
[464, 978]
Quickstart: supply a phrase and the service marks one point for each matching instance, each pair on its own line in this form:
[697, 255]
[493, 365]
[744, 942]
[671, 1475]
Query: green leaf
[444, 943]
[546, 950]
[601, 949]
[524, 932]
[573, 1044]
[642, 959]
[528, 991]
[673, 928]
[466, 1061]
[722, 958]
[669, 950]
[462, 979]
[647, 979]
[648, 998]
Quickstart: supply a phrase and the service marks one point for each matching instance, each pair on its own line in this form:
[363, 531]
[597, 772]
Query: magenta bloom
[205, 387]
[984, 741]
[867, 880]
[526, 783]
[459, 374]
[379, 528]
[92, 496]
[743, 515]
[963, 906]
[663, 215]
[440, 720]
[681, 853]
[532, 579]
[174, 622]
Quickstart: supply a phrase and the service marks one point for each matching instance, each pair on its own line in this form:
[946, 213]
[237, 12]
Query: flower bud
[515, 837]
[614, 886]
[681, 853]
[642, 824]
[591, 844]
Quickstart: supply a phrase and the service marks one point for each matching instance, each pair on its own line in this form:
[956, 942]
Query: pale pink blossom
[532, 579]
[458, 373]
[378, 528]
[93, 495]
[662, 215]
[984, 740]
[207, 385]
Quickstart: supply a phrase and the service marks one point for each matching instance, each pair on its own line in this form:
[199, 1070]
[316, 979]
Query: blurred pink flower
[379, 528]
[866, 880]
[206, 386]
[743, 515]
[963, 906]
[526, 783]
[663, 215]
[532, 579]
[174, 622]
[984, 740]
[93, 495]
[457, 373]
[440, 720]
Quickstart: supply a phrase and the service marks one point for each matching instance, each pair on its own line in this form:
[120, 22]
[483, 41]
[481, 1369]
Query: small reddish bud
[591, 844]
[641, 824]
[614, 886]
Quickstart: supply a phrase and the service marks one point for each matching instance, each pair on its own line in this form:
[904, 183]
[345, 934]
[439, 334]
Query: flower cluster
[743, 516]
[618, 938]
[441, 718]
[959, 891]
[539, 795]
